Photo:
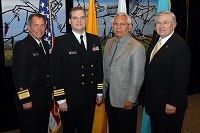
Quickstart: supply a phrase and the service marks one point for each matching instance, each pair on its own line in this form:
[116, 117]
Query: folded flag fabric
[145, 126]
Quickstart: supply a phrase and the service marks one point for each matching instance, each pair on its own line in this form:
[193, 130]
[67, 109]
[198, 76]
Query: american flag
[44, 9]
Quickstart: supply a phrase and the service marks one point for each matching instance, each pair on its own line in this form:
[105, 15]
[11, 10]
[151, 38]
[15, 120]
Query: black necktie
[82, 43]
[41, 46]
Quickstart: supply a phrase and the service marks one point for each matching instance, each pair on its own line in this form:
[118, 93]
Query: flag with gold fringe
[99, 123]
[44, 9]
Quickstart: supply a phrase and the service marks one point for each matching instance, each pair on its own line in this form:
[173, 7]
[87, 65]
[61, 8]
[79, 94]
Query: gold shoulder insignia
[59, 92]
[100, 86]
[23, 94]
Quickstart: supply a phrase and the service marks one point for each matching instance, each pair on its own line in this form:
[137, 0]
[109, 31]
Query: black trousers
[33, 120]
[78, 118]
[119, 119]
[168, 123]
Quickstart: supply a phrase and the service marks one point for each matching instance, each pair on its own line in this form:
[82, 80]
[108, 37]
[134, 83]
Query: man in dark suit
[77, 74]
[31, 78]
[166, 76]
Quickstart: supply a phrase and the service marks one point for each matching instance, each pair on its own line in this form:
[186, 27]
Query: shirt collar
[36, 39]
[164, 40]
[122, 40]
[78, 35]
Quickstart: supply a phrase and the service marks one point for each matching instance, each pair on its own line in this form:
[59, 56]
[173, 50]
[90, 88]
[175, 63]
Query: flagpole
[51, 24]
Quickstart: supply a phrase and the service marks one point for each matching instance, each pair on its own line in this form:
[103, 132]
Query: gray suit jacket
[126, 73]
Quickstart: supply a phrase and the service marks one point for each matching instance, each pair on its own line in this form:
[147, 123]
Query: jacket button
[83, 75]
[83, 83]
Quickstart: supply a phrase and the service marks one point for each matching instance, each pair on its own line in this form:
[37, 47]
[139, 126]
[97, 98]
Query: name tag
[72, 52]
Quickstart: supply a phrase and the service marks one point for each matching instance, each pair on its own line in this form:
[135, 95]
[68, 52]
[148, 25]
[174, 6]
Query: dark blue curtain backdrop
[193, 39]
[187, 19]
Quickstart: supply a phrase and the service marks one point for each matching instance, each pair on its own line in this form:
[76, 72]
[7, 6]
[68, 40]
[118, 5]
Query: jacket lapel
[124, 48]
[154, 41]
[46, 47]
[162, 50]
[73, 42]
[90, 44]
[110, 47]
[36, 46]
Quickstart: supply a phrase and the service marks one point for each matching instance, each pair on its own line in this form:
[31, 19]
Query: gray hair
[123, 14]
[36, 15]
[173, 17]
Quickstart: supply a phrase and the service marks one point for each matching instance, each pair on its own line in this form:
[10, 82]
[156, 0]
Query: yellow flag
[99, 123]
[91, 20]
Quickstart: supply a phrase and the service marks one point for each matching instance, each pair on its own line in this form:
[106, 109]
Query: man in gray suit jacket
[124, 61]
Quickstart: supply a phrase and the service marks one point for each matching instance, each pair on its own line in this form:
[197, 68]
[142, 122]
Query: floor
[191, 122]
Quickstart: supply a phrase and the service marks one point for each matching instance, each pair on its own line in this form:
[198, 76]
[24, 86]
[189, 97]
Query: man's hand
[99, 99]
[169, 109]
[27, 106]
[128, 105]
[63, 107]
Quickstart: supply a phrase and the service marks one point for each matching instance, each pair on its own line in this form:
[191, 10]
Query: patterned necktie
[158, 45]
[111, 59]
[82, 42]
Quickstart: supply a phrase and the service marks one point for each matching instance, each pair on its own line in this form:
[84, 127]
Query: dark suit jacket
[167, 75]
[75, 77]
[31, 73]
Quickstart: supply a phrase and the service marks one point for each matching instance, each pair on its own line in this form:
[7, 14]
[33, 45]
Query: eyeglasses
[165, 23]
[121, 24]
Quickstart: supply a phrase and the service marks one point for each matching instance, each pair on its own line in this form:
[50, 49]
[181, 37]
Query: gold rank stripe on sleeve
[100, 86]
[59, 92]
[23, 94]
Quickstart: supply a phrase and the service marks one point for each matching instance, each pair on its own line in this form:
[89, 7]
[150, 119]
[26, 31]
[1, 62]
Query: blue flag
[163, 5]
[44, 9]
[145, 126]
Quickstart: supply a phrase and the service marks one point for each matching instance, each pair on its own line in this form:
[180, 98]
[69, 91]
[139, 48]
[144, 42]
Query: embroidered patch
[95, 48]
[35, 54]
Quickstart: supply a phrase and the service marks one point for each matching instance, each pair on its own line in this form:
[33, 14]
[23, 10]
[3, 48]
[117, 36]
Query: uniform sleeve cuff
[61, 101]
